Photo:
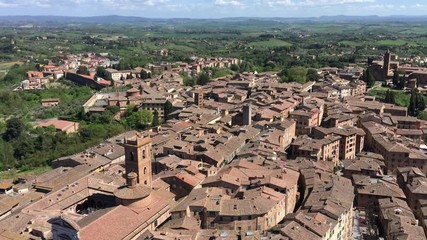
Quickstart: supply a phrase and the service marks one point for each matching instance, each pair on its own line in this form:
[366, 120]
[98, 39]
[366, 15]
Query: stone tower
[138, 158]
[386, 65]
[198, 98]
[247, 114]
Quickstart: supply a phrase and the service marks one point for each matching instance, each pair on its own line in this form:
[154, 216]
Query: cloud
[234, 3]
[88, 3]
[296, 3]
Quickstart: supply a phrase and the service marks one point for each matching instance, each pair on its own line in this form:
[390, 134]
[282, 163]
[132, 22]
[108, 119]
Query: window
[145, 170]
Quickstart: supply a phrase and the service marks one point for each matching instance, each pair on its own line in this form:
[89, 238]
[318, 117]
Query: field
[402, 99]
[272, 43]
[7, 65]
[396, 43]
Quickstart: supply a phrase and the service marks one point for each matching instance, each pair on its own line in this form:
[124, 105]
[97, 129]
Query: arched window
[145, 182]
[132, 156]
[145, 170]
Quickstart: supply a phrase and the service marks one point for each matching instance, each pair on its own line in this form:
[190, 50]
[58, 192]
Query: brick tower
[138, 158]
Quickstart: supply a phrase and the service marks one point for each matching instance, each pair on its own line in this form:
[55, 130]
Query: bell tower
[138, 159]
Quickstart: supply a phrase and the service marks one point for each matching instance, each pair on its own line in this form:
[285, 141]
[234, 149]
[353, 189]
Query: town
[243, 156]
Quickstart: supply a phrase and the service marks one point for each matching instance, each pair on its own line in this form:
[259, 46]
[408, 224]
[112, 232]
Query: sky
[213, 8]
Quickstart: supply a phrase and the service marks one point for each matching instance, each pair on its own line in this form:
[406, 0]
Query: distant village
[242, 157]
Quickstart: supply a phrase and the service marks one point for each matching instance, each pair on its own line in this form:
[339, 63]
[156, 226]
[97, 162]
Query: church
[136, 207]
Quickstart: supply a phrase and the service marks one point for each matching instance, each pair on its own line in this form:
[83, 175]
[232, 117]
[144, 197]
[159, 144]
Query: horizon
[212, 9]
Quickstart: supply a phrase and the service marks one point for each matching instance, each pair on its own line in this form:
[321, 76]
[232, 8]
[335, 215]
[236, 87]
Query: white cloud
[234, 3]
[297, 3]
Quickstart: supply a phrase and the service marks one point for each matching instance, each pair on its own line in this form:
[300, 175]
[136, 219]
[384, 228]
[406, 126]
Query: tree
[156, 120]
[416, 104]
[234, 67]
[369, 79]
[312, 75]
[294, 74]
[246, 67]
[140, 119]
[390, 97]
[131, 108]
[401, 84]
[203, 78]
[395, 78]
[168, 108]
[420, 103]
[83, 70]
[14, 129]
[144, 74]
[189, 81]
[100, 72]
[412, 108]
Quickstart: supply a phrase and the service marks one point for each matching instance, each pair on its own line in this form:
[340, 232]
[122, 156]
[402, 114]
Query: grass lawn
[402, 99]
[272, 43]
[7, 65]
[351, 43]
[14, 174]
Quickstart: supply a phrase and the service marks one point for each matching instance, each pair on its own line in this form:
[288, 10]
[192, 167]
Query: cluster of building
[243, 157]
[415, 76]
[193, 68]
[67, 63]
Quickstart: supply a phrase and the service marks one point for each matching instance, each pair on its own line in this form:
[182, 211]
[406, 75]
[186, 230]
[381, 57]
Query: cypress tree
[370, 82]
[401, 84]
[387, 96]
[156, 121]
[420, 103]
[412, 108]
[395, 78]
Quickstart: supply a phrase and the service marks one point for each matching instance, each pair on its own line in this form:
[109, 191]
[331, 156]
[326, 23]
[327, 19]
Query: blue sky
[213, 8]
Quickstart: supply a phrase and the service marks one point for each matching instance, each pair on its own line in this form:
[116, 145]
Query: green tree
[395, 78]
[294, 74]
[246, 66]
[412, 108]
[100, 71]
[370, 79]
[130, 109]
[168, 108]
[203, 78]
[234, 67]
[390, 97]
[401, 84]
[140, 119]
[14, 129]
[7, 160]
[83, 70]
[312, 75]
[420, 103]
[156, 120]
[189, 81]
[416, 104]
[144, 74]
